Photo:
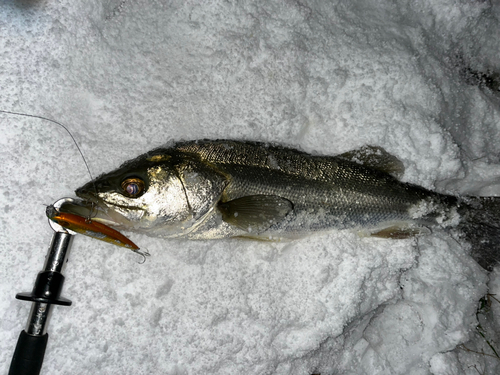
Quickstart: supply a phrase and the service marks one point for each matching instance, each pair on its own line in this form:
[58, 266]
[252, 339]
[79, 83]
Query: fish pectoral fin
[398, 232]
[376, 158]
[255, 213]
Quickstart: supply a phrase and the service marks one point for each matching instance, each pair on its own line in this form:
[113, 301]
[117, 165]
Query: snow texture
[324, 76]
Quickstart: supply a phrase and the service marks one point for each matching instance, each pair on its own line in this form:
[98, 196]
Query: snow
[326, 77]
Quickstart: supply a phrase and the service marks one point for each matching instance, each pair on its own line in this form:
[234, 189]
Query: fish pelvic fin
[400, 232]
[480, 226]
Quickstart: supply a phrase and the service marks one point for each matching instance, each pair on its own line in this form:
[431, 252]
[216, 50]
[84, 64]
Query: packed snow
[323, 76]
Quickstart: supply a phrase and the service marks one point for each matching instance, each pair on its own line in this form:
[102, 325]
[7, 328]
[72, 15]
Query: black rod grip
[29, 353]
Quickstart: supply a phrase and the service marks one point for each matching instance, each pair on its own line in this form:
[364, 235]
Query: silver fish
[225, 188]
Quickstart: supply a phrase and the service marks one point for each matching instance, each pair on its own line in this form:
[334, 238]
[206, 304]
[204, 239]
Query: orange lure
[89, 228]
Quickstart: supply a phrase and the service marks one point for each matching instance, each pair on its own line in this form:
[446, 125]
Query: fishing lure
[87, 227]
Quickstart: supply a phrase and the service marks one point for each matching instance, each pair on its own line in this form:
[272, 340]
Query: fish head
[148, 195]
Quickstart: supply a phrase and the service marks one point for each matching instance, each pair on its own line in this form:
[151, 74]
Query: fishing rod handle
[29, 353]
[32, 342]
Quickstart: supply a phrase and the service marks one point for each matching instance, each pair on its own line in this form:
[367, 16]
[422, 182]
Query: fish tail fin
[480, 226]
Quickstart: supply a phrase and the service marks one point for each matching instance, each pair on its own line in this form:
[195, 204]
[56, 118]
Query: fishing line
[74, 141]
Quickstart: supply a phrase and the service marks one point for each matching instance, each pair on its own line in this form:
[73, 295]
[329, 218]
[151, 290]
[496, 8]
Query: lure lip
[51, 211]
[79, 216]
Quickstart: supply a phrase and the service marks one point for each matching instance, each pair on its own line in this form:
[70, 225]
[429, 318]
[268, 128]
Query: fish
[212, 189]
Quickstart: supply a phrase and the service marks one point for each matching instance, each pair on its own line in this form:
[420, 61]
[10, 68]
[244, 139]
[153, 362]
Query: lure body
[88, 227]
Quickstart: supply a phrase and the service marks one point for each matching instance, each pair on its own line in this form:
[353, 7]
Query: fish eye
[133, 187]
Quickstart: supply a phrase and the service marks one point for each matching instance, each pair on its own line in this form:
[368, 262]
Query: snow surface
[324, 76]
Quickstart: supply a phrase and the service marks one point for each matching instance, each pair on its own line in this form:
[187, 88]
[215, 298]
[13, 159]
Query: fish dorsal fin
[255, 213]
[377, 158]
[400, 232]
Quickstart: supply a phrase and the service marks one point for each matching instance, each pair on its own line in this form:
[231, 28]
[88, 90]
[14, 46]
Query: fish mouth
[90, 206]
[75, 217]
